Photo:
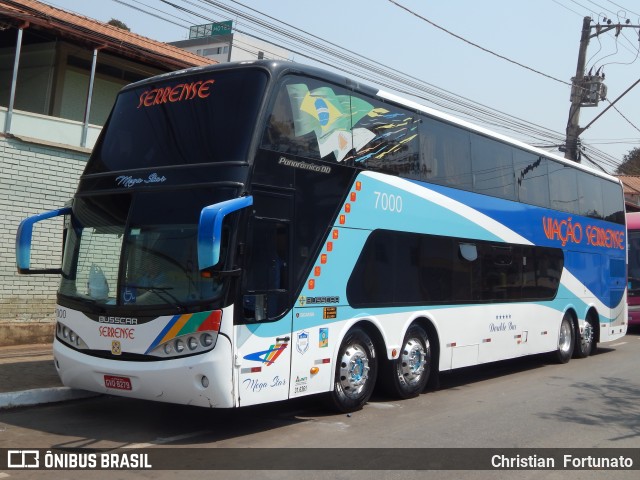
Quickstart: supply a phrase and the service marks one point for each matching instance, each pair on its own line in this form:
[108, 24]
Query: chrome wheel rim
[354, 370]
[564, 343]
[587, 334]
[412, 361]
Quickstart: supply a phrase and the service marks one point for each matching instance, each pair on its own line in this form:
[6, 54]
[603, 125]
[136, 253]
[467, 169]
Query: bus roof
[492, 134]
[277, 68]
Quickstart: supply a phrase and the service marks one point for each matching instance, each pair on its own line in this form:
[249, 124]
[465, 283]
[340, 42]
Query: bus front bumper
[203, 380]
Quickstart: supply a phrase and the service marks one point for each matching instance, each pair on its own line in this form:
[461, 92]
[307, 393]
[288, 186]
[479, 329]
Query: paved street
[526, 403]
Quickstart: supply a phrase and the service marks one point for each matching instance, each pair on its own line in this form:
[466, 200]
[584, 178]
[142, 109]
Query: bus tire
[586, 343]
[356, 371]
[407, 376]
[566, 340]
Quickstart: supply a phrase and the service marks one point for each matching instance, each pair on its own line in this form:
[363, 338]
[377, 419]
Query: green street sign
[210, 29]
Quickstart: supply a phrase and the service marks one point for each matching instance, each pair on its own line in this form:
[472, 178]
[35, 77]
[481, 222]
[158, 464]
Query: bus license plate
[118, 383]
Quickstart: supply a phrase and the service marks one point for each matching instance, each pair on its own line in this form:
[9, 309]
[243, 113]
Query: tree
[630, 163]
[117, 23]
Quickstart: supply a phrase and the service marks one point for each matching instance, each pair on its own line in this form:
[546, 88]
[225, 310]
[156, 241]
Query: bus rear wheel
[356, 371]
[409, 373]
[586, 343]
[565, 339]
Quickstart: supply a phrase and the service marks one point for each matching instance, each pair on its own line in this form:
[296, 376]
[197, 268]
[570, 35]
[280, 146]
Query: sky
[514, 57]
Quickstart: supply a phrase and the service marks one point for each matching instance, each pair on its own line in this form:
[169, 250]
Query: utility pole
[573, 128]
[586, 91]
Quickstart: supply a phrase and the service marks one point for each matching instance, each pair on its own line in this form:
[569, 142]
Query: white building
[59, 75]
[218, 42]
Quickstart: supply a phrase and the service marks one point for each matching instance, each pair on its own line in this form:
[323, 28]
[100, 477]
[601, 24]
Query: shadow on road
[115, 422]
[612, 401]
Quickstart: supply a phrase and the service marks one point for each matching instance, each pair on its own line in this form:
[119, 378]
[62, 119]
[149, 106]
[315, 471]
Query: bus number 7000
[388, 202]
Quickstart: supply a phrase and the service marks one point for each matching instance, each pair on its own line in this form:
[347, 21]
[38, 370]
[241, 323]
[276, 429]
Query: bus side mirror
[210, 229]
[24, 237]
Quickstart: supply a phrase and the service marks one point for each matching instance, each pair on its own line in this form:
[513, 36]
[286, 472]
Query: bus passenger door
[263, 339]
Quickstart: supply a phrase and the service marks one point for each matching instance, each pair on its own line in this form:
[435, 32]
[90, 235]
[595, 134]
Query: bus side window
[445, 154]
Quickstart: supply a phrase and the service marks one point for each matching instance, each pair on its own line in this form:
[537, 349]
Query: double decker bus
[249, 233]
[633, 231]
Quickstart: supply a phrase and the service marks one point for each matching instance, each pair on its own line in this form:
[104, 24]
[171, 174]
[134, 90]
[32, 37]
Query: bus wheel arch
[356, 367]
[586, 342]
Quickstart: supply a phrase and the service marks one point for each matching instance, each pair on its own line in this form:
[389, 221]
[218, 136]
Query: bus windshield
[205, 118]
[121, 250]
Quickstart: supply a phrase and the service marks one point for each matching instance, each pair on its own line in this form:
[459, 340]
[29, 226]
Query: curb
[39, 396]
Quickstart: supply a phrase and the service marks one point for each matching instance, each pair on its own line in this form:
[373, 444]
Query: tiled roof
[630, 183]
[97, 34]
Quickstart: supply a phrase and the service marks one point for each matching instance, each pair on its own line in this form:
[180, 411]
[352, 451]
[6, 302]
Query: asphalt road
[526, 403]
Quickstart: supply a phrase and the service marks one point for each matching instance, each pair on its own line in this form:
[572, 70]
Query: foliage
[117, 23]
[630, 163]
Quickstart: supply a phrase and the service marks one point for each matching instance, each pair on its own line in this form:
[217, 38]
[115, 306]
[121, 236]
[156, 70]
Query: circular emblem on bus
[323, 111]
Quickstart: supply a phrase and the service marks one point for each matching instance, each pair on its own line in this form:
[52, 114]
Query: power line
[600, 6]
[418, 89]
[475, 44]
[628, 121]
[337, 57]
[149, 13]
[624, 8]
[565, 7]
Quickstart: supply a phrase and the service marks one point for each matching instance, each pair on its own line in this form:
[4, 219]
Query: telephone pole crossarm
[586, 91]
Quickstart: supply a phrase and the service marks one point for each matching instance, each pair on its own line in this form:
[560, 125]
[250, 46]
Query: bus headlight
[206, 340]
[69, 337]
[199, 337]
[189, 344]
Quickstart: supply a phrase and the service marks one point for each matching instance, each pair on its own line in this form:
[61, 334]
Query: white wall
[33, 178]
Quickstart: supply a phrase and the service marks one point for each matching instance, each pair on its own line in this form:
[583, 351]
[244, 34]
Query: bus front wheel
[409, 373]
[356, 371]
[565, 339]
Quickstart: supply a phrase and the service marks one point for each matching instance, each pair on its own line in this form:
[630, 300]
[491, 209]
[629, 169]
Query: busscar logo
[118, 320]
[23, 459]
[302, 300]
[316, 300]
